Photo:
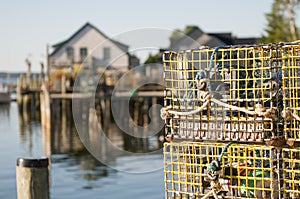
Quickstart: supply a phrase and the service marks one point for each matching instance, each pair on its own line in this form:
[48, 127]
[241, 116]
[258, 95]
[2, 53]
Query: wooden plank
[70, 95]
[140, 94]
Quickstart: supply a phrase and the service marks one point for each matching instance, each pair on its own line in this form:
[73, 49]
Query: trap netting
[233, 93]
[291, 172]
[200, 170]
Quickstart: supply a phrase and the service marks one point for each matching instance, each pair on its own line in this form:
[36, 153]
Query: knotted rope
[289, 115]
[259, 110]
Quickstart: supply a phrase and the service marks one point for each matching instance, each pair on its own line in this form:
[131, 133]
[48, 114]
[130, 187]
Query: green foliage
[154, 58]
[280, 23]
[189, 28]
[177, 33]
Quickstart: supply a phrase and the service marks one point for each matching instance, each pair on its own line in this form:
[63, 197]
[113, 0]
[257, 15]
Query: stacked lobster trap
[232, 122]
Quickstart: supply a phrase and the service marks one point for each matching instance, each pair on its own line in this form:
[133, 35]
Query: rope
[212, 57]
[199, 109]
[259, 110]
[211, 61]
[212, 168]
[295, 116]
[165, 112]
[287, 114]
[215, 165]
[211, 192]
[224, 150]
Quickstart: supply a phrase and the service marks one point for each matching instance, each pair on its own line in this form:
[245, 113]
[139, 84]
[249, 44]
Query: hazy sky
[27, 26]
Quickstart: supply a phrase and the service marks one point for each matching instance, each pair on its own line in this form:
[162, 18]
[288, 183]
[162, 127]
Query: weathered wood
[63, 84]
[107, 111]
[32, 177]
[19, 91]
[45, 107]
[70, 95]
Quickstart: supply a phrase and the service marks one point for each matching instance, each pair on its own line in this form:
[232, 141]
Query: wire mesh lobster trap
[233, 93]
[291, 90]
[201, 170]
[291, 172]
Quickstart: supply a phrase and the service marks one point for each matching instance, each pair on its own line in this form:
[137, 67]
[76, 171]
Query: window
[70, 53]
[83, 53]
[106, 53]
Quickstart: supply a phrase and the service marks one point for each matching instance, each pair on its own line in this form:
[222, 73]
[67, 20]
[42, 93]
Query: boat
[4, 95]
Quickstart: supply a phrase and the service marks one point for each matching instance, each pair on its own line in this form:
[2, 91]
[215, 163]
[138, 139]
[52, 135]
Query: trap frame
[244, 171]
[233, 93]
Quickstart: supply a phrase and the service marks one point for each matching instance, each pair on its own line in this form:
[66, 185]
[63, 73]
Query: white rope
[287, 114]
[258, 111]
[295, 116]
[235, 108]
[209, 194]
[201, 108]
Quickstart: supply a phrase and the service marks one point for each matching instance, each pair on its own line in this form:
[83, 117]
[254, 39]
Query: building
[91, 48]
[194, 37]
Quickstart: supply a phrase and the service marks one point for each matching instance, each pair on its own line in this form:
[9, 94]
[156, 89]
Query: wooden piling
[45, 107]
[154, 110]
[19, 91]
[28, 75]
[107, 110]
[32, 177]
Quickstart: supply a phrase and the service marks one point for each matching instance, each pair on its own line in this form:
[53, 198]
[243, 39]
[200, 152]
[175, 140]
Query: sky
[28, 26]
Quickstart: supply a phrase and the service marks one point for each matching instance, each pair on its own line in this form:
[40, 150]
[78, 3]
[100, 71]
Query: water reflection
[63, 138]
[29, 130]
[4, 111]
[74, 172]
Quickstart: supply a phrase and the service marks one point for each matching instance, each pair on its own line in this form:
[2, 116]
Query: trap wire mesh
[291, 172]
[233, 93]
[291, 90]
[244, 171]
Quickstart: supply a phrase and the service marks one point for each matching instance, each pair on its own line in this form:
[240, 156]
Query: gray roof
[59, 45]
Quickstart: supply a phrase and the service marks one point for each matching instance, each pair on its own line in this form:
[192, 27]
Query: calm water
[74, 173]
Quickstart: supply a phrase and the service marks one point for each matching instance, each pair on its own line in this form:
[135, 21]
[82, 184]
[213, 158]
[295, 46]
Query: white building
[91, 48]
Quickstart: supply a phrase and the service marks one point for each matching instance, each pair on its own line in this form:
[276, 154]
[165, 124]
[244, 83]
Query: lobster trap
[233, 93]
[291, 172]
[200, 170]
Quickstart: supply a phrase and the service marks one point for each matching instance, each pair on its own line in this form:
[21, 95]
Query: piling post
[42, 75]
[32, 177]
[154, 110]
[136, 122]
[19, 91]
[33, 96]
[28, 72]
[63, 84]
[145, 123]
[27, 98]
[47, 63]
[63, 106]
[45, 107]
[107, 109]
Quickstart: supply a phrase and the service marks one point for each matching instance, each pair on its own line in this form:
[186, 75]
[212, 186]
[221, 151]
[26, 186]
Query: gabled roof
[225, 37]
[194, 36]
[249, 40]
[192, 33]
[59, 45]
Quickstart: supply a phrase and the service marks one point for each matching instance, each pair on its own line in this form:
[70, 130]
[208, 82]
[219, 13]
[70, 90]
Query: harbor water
[74, 172]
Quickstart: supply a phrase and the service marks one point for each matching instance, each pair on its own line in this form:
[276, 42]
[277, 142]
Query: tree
[156, 58]
[281, 22]
[290, 5]
[177, 33]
